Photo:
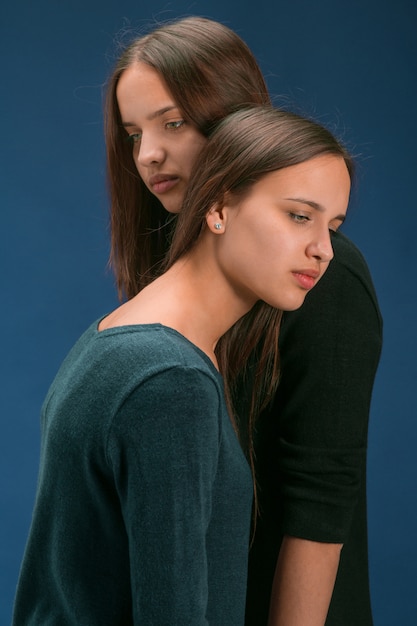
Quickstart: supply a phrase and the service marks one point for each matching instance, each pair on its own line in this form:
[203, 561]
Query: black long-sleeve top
[311, 443]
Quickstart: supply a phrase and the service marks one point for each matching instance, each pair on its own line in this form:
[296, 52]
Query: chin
[172, 208]
[290, 306]
[171, 204]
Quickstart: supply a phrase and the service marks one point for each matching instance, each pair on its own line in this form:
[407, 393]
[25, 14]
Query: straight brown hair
[210, 72]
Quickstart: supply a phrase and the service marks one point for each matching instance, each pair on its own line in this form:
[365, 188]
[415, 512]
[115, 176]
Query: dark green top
[311, 443]
[143, 506]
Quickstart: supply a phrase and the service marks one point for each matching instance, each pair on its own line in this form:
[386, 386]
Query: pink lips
[306, 279]
[161, 183]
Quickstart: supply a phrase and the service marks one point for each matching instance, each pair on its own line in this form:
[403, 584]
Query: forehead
[141, 84]
[311, 172]
[324, 180]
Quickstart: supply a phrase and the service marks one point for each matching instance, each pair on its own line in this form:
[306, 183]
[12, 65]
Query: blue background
[352, 65]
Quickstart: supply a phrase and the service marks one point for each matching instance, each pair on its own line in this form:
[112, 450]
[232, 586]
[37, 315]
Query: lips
[161, 183]
[306, 278]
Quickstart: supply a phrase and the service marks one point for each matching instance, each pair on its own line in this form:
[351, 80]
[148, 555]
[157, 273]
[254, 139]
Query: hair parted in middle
[243, 148]
[210, 72]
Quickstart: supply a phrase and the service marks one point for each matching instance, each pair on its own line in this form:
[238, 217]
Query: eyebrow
[153, 115]
[316, 206]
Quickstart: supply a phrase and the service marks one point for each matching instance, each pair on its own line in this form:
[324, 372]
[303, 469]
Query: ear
[220, 213]
[215, 219]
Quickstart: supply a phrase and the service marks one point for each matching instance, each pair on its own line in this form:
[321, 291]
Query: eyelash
[133, 138]
[335, 228]
[303, 219]
[175, 125]
[136, 137]
[299, 219]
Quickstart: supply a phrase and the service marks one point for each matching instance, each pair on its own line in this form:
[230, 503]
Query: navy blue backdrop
[353, 65]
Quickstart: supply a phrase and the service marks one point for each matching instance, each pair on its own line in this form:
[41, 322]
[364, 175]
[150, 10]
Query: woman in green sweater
[142, 513]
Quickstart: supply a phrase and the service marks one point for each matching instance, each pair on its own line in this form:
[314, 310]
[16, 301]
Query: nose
[321, 247]
[150, 151]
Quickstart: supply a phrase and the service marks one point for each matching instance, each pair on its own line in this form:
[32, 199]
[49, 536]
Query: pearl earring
[217, 225]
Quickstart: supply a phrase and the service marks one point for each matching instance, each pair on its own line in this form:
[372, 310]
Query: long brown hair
[243, 148]
[210, 72]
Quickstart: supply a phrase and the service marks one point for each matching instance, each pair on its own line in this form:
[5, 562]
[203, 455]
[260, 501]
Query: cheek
[271, 245]
[135, 154]
[190, 153]
[260, 253]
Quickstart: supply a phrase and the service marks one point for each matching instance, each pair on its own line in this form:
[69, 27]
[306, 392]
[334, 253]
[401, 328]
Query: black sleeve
[317, 425]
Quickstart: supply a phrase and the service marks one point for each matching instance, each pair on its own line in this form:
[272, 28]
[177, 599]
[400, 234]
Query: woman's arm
[303, 582]
[164, 452]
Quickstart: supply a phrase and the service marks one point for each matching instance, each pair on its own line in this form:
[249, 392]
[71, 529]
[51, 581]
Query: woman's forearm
[303, 584]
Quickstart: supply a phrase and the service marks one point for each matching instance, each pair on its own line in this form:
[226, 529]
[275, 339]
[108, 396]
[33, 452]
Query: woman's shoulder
[349, 271]
[348, 257]
[125, 357]
[112, 364]
[345, 298]
[154, 342]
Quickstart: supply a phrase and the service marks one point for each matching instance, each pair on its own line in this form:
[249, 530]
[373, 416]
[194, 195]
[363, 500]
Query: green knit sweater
[143, 505]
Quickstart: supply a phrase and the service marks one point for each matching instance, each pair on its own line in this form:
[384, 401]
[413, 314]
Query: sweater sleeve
[164, 452]
[330, 350]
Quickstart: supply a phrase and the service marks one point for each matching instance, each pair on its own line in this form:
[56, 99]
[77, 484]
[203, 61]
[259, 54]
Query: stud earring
[217, 225]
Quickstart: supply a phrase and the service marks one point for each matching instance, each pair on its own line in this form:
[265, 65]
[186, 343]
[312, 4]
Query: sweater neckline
[128, 328]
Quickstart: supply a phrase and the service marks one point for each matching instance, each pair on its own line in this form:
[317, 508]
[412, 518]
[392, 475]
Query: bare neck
[193, 297]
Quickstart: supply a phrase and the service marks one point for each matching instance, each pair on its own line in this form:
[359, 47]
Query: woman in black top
[311, 442]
